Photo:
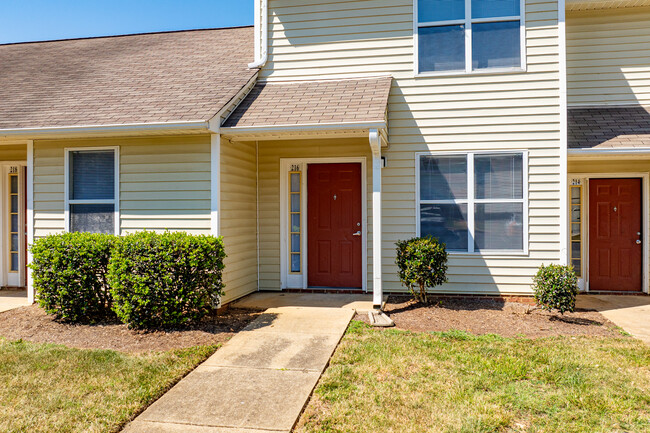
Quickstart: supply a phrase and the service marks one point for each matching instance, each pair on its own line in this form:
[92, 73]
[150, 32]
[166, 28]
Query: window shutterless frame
[471, 201]
[116, 196]
[467, 22]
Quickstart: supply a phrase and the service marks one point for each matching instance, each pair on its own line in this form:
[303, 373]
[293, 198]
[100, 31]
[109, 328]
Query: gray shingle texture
[609, 127]
[313, 102]
[147, 78]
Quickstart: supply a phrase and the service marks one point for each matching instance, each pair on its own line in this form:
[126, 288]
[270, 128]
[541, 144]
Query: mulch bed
[32, 324]
[490, 316]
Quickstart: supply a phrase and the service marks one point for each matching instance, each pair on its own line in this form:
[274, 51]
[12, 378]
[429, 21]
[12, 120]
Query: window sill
[489, 253]
[472, 73]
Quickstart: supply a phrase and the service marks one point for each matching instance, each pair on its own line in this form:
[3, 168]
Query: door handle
[638, 242]
[357, 233]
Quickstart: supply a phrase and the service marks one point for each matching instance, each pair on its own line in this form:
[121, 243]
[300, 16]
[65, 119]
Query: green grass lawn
[52, 388]
[397, 381]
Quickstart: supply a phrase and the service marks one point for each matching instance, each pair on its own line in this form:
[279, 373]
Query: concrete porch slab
[11, 299]
[632, 313]
[262, 300]
[302, 320]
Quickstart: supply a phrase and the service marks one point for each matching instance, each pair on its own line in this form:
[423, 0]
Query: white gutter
[611, 151]
[261, 34]
[105, 129]
[304, 127]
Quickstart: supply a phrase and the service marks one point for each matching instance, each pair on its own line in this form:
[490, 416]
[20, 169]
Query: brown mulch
[32, 324]
[489, 316]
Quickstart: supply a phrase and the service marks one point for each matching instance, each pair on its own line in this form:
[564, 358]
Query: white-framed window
[469, 36]
[92, 190]
[474, 201]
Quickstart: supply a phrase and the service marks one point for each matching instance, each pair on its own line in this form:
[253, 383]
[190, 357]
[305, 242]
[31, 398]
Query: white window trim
[471, 201]
[468, 42]
[115, 201]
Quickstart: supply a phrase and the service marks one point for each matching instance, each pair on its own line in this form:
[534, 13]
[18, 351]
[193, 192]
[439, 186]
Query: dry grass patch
[52, 388]
[399, 381]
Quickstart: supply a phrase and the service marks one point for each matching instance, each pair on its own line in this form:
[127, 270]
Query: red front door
[334, 225]
[615, 251]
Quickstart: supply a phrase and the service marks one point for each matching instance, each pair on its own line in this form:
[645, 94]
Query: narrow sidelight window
[91, 190]
[14, 223]
[576, 228]
[473, 202]
[469, 35]
[295, 226]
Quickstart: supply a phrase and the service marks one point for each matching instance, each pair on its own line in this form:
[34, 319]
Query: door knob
[638, 242]
[357, 233]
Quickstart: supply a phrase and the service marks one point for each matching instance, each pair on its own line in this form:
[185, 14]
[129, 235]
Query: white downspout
[261, 34]
[377, 291]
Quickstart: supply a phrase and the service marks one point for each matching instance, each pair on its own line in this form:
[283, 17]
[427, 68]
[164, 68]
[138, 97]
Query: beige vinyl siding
[270, 153]
[238, 220]
[164, 183]
[608, 57]
[13, 152]
[336, 39]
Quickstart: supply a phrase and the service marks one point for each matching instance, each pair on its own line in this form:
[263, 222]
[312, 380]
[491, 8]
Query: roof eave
[622, 151]
[187, 127]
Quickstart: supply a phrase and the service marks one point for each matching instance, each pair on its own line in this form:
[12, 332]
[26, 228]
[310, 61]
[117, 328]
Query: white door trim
[645, 213]
[286, 280]
[12, 279]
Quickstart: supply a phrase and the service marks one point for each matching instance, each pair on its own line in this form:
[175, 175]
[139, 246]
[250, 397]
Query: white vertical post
[215, 183]
[377, 291]
[30, 217]
[564, 138]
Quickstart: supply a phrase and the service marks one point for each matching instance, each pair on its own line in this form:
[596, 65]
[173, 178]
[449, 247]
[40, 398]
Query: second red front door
[334, 225]
[615, 250]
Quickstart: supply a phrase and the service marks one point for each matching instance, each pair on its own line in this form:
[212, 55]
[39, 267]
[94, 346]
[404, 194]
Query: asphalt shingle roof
[609, 127]
[313, 102]
[146, 78]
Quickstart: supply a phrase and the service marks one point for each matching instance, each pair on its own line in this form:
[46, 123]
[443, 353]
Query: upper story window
[92, 190]
[464, 36]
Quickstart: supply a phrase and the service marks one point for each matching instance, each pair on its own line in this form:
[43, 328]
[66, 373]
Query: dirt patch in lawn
[489, 316]
[32, 324]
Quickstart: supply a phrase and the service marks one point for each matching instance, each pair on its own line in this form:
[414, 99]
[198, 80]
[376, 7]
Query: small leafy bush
[165, 280]
[70, 276]
[556, 288]
[422, 264]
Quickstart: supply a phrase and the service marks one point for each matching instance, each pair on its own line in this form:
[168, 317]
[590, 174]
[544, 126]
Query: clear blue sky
[37, 20]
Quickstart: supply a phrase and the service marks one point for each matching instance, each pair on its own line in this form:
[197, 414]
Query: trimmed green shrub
[69, 272]
[165, 280]
[422, 264]
[556, 288]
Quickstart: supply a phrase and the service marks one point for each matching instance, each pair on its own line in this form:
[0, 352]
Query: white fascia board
[610, 151]
[218, 119]
[305, 127]
[105, 129]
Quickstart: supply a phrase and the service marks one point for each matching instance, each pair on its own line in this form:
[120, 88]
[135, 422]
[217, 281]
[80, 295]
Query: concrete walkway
[11, 299]
[260, 380]
[632, 313]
